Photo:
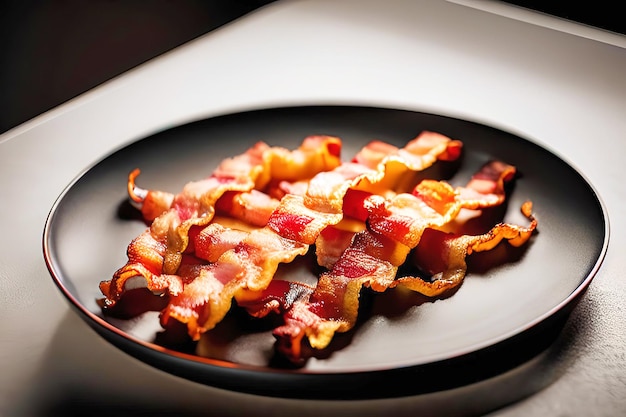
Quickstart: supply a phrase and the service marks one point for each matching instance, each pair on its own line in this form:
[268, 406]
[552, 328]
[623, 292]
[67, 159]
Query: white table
[560, 84]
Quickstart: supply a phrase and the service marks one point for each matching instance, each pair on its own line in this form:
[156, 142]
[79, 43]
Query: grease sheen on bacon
[221, 240]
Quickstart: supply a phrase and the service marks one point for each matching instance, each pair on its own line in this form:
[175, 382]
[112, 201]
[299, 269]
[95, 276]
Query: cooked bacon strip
[303, 217]
[248, 267]
[333, 306]
[253, 207]
[395, 227]
[331, 243]
[213, 240]
[260, 163]
[173, 216]
[417, 155]
[145, 260]
[443, 255]
[405, 217]
[146, 256]
[152, 203]
[279, 296]
[487, 186]
[377, 160]
[377, 151]
[327, 190]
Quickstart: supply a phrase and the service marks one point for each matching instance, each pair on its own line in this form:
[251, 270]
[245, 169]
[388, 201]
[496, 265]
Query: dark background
[52, 51]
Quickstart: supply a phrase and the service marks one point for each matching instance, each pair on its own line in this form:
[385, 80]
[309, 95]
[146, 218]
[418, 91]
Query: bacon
[377, 151]
[280, 189]
[205, 301]
[221, 240]
[253, 207]
[331, 195]
[174, 216]
[303, 217]
[279, 296]
[443, 255]
[152, 203]
[434, 204]
[327, 190]
[212, 241]
[145, 261]
[333, 306]
[195, 205]
[331, 243]
[395, 227]
[487, 186]
[248, 267]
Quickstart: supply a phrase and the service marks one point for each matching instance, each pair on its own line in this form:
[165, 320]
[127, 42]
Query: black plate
[501, 316]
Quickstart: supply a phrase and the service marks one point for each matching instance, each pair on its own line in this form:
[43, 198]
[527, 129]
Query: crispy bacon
[395, 227]
[152, 203]
[212, 241]
[195, 205]
[279, 296]
[443, 255]
[333, 306]
[205, 301]
[248, 267]
[145, 262]
[222, 238]
[253, 207]
[333, 240]
[174, 217]
[487, 186]
[303, 217]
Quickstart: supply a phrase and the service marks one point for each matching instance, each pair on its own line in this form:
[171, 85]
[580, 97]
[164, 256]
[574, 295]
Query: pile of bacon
[219, 242]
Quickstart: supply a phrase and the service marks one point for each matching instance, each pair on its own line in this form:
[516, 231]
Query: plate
[502, 315]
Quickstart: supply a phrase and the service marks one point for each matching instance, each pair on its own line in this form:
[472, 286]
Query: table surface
[557, 83]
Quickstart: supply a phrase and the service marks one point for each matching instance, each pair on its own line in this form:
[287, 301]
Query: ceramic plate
[503, 313]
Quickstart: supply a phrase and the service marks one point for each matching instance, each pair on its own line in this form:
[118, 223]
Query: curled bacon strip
[174, 217]
[333, 306]
[145, 260]
[443, 255]
[152, 203]
[195, 205]
[248, 267]
[303, 217]
[395, 227]
[253, 207]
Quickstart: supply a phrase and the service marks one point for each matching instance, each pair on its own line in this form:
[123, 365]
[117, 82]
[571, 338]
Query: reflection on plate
[501, 316]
